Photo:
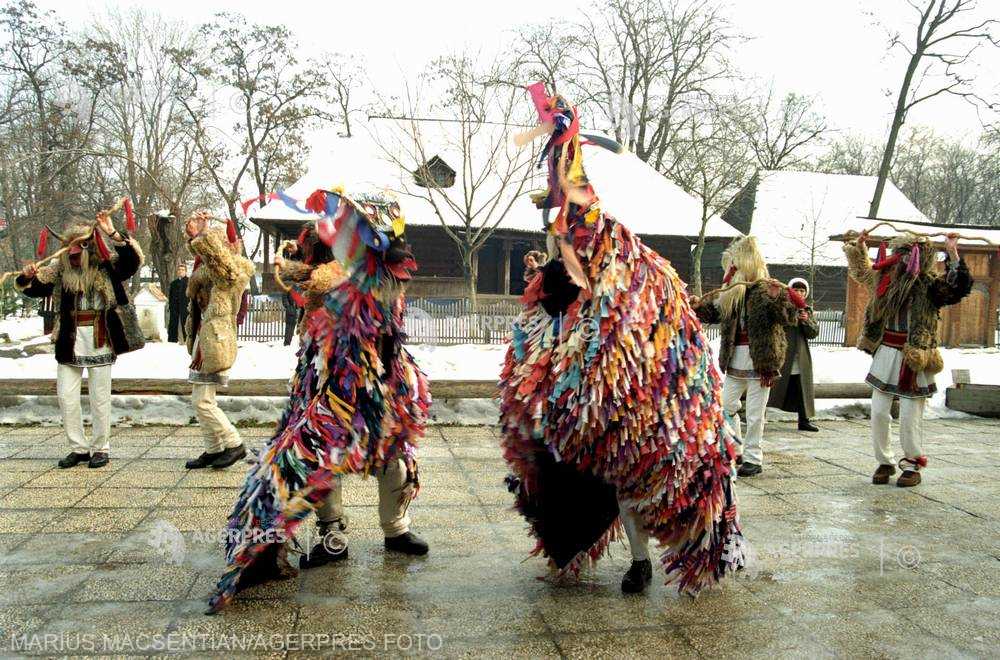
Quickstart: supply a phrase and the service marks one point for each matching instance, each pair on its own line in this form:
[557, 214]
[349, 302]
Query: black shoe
[638, 577]
[98, 459]
[203, 461]
[332, 547]
[73, 459]
[230, 456]
[408, 543]
[808, 426]
[749, 470]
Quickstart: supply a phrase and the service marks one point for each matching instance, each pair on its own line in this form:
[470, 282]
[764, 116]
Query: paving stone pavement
[842, 568]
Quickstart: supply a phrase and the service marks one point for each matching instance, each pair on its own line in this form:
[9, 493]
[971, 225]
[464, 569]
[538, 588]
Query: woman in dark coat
[794, 392]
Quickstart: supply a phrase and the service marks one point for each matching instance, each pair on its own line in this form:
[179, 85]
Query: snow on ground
[460, 362]
[20, 329]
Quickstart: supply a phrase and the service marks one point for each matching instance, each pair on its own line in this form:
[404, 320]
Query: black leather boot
[230, 456]
[203, 461]
[332, 545]
[407, 543]
[638, 577]
[72, 459]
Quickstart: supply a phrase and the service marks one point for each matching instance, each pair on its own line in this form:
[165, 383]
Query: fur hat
[799, 280]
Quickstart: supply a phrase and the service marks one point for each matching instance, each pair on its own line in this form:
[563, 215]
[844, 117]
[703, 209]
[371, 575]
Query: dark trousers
[793, 398]
[289, 329]
[175, 327]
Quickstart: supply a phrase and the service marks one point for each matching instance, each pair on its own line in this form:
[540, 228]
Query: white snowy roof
[381, 155]
[796, 213]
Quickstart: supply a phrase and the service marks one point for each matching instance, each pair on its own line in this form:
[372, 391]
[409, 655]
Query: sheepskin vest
[215, 290]
[766, 318]
[920, 351]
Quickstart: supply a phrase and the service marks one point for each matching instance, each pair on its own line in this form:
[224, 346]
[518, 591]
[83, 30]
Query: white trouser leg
[753, 451]
[99, 385]
[911, 432]
[392, 502]
[880, 421]
[732, 390]
[68, 381]
[638, 539]
[219, 432]
[332, 508]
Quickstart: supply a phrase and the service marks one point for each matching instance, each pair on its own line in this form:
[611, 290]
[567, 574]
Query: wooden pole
[505, 288]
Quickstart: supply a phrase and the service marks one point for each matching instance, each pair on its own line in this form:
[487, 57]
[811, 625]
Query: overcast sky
[834, 50]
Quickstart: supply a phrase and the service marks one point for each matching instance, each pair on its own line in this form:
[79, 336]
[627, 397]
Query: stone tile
[775, 637]
[113, 625]
[152, 464]
[59, 548]
[40, 585]
[213, 479]
[200, 497]
[204, 519]
[76, 478]
[143, 479]
[136, 583]
[969, 625]
[19, 521]
[42, 498]
[123, 498]
[660, 643]
[242, 616]
[873, 633]
[17, 621]
[11, 480]
[80, 520]
[21, 465]
[500, 648]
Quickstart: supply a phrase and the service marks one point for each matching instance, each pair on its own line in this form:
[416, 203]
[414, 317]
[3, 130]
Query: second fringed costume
[610, 402]
[357, 404]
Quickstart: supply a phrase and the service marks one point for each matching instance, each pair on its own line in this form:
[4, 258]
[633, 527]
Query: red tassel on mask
[130, 223]
[43, 242]
[729, 275]
[231, 234]
[881, 252]
[297, 298]
[103, 253]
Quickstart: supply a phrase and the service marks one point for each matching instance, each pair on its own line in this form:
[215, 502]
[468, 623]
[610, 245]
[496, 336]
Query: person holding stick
[900, 333]
[753, 311]
[86, 281]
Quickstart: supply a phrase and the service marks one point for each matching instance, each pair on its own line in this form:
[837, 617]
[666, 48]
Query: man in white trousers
[86, 284]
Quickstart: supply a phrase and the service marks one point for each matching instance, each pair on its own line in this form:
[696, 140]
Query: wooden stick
[722, 289]
[886, 223]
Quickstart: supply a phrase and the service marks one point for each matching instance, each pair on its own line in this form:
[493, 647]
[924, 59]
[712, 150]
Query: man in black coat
[291, 317]
[177, 303]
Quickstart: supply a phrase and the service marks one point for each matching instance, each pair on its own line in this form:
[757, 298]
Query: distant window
[435, 173]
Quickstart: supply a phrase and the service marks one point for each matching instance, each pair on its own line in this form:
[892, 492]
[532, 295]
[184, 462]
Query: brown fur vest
[766, 321]
[930, 292]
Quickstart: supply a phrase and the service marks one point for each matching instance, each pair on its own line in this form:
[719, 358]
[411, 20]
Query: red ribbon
[231, 234]
[102, 249]
[43, 242]
[130, 223]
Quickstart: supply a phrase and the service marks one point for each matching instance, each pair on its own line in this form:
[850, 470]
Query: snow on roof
[796, 213]
[381, 156]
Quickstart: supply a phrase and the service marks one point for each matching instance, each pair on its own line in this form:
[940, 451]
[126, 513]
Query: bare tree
[270, 97]
[490, 173]
[780, 133]
[345, 74]
[946, 37]
[711, 161]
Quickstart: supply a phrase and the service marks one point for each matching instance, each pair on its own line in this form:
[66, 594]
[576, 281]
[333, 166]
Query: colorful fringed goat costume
[900, 332]
[610, 403]
[358, 403]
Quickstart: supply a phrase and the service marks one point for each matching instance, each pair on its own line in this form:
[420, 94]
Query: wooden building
[973, 322]
[665, 217]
